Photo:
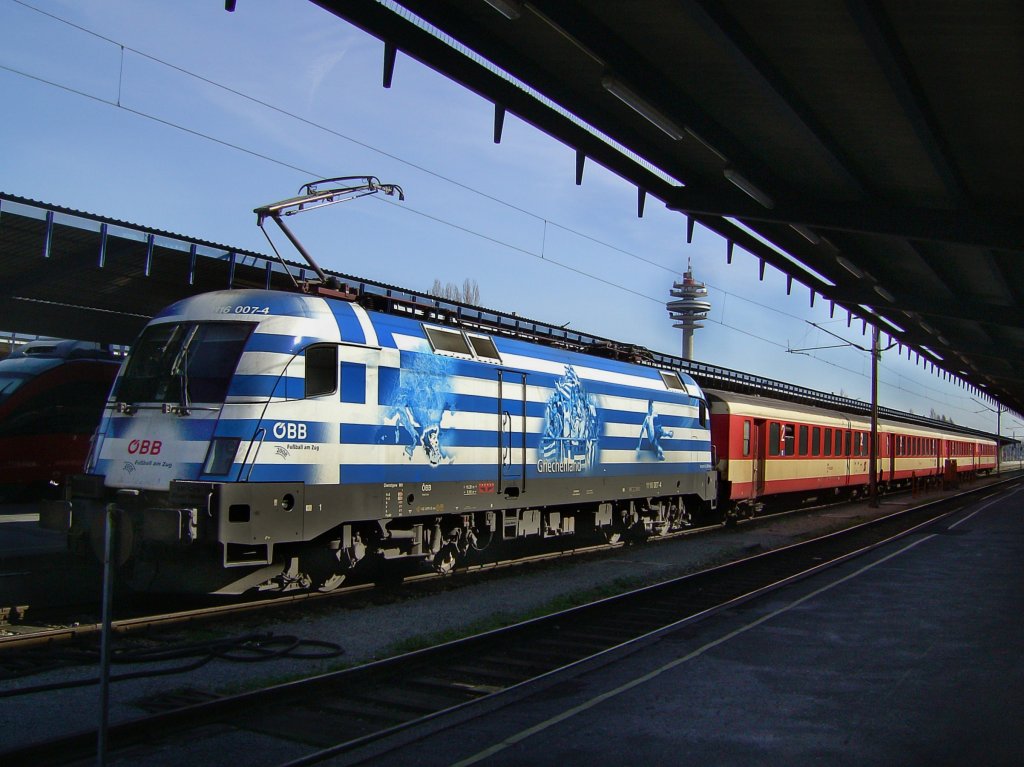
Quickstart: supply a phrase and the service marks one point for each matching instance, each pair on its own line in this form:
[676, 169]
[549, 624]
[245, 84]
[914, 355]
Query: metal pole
[108, 589]
[873, 463]
[999, 436]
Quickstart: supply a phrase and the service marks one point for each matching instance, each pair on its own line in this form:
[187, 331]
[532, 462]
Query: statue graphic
[653, 432]
[427, 437]
[418, 409]
[570, 423]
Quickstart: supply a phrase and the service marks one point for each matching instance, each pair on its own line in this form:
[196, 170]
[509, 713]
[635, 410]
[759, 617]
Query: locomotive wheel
[331, 583]
[323, 568]
[444, 562]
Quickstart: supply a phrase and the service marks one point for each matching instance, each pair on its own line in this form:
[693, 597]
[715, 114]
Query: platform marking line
[569, 713]
[981, 509]
[29, 517]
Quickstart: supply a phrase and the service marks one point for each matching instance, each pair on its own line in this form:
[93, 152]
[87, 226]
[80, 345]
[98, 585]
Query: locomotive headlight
[221, 455]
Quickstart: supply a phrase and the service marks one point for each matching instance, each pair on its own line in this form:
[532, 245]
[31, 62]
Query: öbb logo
[145, 447]
[288, 430]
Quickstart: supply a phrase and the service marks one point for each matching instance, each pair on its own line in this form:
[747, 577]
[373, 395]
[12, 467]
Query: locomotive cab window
[321, 370]
[182, 363]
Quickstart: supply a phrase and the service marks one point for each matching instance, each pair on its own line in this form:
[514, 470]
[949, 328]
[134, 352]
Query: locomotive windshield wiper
[318, 194]
[180, 368]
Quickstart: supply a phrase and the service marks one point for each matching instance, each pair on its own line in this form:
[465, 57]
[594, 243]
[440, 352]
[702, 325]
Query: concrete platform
[911, 655]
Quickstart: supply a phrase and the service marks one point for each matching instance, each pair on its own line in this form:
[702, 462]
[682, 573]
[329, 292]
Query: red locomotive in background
[51, 397]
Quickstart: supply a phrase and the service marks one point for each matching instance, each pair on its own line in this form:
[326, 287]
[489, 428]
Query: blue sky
[184, 117]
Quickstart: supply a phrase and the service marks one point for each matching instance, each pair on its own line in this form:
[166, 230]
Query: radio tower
[689, 307]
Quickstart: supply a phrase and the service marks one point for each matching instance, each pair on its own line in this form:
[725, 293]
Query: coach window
[746, 438]
[789, 438]
[849, 444]
[773, 439]
[802, 444]
[816, 441]
[321, 370]
[828, 442]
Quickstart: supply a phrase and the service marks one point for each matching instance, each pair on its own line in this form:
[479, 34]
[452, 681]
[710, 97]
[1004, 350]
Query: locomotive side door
[511, 432]
[759, 451]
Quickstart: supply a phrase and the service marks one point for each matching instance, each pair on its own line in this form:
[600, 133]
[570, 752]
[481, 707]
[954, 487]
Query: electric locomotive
[267, 440]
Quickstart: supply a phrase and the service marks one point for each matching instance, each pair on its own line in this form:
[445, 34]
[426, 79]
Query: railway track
[33, 622]
[74, 622]
[334, 713]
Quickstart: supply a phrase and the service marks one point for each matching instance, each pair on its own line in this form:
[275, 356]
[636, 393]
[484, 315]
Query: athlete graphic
[653, 432]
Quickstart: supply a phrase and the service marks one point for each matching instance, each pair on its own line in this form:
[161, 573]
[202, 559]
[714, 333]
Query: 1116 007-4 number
[243, 309]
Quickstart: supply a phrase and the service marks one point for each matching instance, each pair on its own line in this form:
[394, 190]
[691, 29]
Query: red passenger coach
[770, 450]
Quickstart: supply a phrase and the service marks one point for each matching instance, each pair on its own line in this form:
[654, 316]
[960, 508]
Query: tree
[449, 291]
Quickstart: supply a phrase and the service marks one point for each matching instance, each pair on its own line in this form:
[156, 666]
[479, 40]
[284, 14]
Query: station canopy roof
[877, 143]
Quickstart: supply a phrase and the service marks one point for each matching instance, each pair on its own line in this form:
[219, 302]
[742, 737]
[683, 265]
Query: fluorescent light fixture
[743, 183]
[933, 353]
[806, 233]
[740, 225]
[891, 327]
[885, 294]
[927, 328]
[700, 140]
[641, 107]
[851, 267]
[943, 341]
[507, 8]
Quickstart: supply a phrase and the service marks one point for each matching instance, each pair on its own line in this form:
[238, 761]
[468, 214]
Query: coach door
[891, 444]
[511, 432]
[759, 447]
